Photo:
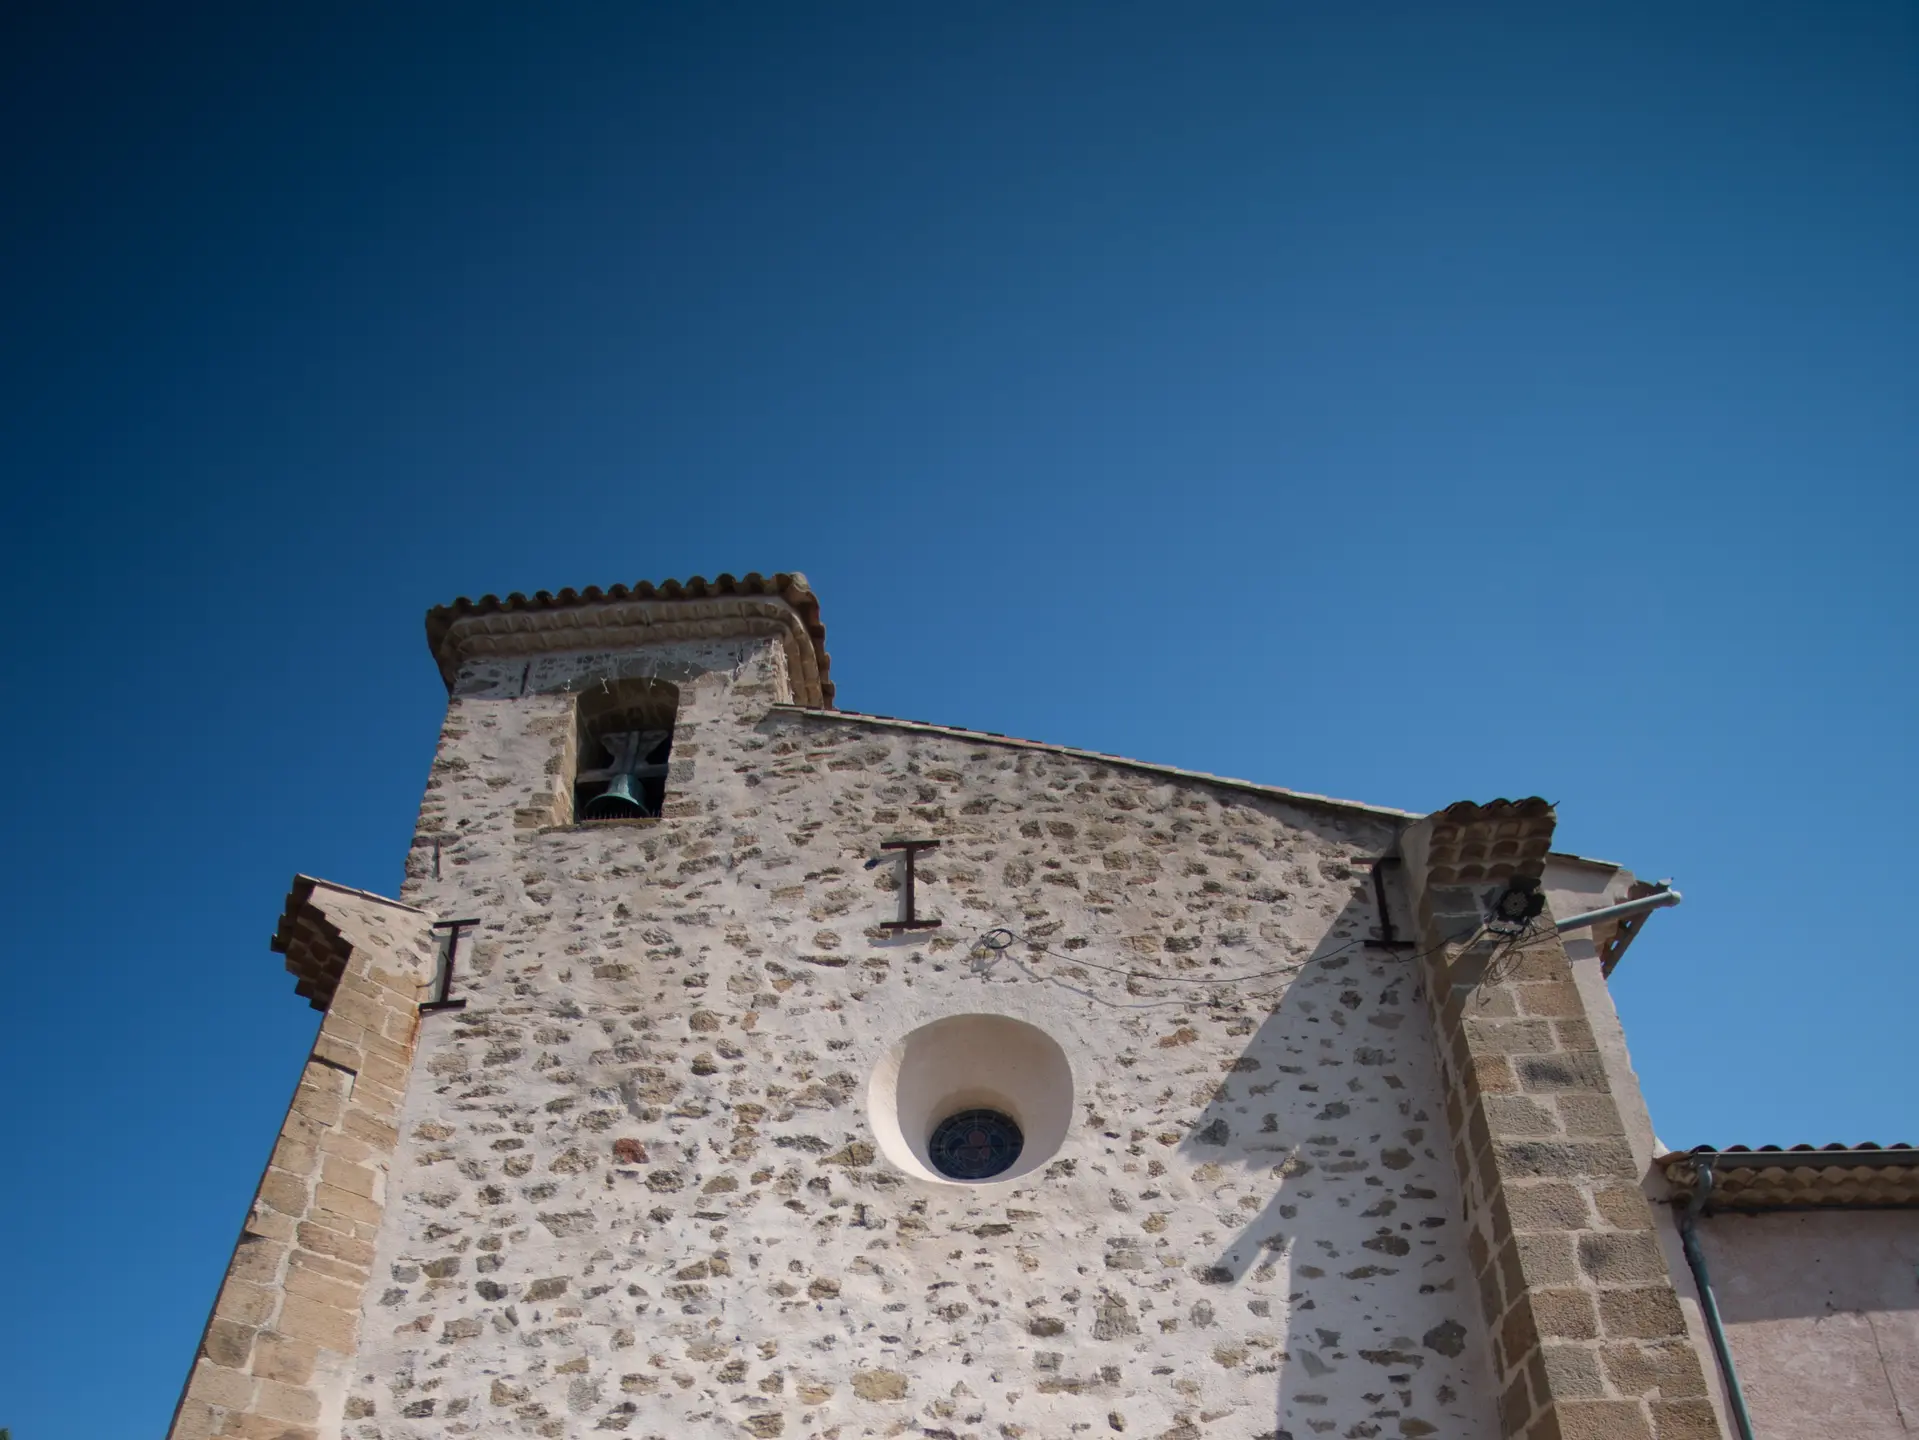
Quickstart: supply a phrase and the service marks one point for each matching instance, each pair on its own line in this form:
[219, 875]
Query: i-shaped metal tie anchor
[909, 917]
[443, 981]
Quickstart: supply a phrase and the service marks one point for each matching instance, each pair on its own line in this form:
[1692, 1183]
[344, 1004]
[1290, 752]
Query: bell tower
[595, 697]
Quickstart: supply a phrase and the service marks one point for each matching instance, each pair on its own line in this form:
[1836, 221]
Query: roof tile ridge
[991, 737]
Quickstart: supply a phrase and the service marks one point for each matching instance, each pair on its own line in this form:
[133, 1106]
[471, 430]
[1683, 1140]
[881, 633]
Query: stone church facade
[729, 1064]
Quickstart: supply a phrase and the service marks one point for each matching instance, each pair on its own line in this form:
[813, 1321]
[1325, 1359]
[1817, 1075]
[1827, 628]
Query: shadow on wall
[1335, 1105]
[1822, 1315]
[1809, 1264]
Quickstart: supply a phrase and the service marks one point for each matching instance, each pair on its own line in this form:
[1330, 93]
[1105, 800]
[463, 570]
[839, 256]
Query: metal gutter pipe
[1709, 1307]
[1625, 910]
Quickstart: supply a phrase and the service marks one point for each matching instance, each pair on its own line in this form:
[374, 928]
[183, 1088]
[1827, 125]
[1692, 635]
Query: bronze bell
[621, 800]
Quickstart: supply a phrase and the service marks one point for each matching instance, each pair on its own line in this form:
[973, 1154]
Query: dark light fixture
[1520, 902]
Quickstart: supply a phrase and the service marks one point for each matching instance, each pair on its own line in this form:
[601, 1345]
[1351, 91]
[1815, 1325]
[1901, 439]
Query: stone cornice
[316, 952]
[780, 607]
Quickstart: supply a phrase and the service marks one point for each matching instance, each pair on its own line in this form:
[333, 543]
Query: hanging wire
[1135, 974]
[1001, 939]
[1506, 958]
[984, 968]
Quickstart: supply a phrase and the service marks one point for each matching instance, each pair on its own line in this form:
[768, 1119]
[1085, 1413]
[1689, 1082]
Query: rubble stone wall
[637, 1187]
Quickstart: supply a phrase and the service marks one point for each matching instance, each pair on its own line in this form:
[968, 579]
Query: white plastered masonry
[637, 1187]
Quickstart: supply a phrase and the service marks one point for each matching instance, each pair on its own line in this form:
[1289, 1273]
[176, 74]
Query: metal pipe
[1645, 904]
[1709, 1307]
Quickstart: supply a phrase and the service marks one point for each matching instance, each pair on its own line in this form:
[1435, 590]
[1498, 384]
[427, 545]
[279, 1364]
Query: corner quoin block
[1588, 1336]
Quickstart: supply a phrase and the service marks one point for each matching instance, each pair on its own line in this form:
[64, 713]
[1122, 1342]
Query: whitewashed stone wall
[636, 1189]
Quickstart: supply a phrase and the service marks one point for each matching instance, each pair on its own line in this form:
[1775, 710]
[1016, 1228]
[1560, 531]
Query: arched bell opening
[625, 748]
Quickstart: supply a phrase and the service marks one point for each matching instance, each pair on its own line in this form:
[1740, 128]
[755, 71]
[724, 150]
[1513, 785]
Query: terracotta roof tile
[1495, 841]
[1770, 1177]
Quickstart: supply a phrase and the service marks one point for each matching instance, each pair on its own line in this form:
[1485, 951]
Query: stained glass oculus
[975, 1144]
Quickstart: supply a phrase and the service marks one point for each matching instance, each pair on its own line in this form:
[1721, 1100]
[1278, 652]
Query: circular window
[972, 1100]
[975, 1144]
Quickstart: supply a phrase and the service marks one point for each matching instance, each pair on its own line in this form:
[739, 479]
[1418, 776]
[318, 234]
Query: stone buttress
[274, 1359]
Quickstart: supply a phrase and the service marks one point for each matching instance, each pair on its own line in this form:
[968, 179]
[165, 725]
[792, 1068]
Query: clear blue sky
[1404, 402]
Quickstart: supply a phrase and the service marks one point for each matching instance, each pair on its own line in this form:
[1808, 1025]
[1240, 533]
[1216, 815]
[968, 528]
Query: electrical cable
[1151, 975]
[1504, 959]
[1001, 939]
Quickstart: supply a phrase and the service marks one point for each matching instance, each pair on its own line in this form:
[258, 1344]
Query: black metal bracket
[443, 980]
[1388, 937]
[1623, 933]
[909, 919]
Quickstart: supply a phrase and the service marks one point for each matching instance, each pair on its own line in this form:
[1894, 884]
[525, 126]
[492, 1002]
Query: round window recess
[972, 1100]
